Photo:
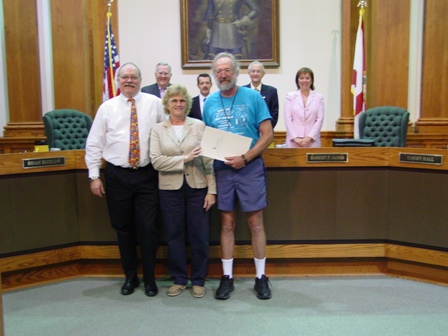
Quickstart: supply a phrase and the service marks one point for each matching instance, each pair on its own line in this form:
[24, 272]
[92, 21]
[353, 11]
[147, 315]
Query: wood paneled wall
[434, 97]
[78, 31]
[388, 50]
[349, 26]
[22, 62]
[71, 54]
[78, 42]
[386, 26]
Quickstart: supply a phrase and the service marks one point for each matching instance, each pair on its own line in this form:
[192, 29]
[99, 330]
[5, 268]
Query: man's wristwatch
[93, 178]
[243, 156]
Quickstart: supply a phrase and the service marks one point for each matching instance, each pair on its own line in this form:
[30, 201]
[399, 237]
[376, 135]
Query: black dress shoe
[129, 286]
[151, 289]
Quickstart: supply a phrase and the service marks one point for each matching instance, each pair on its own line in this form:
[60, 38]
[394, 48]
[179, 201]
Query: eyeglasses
[132, 78]
[226, 71]
[163, 74]
[177, 101]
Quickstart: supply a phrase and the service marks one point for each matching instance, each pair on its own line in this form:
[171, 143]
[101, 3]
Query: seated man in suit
[269, 93]
[204, 86]
[163, 76]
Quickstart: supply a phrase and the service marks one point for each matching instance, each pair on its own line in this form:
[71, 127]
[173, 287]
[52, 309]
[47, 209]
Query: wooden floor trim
[283, 260]
[274, 251]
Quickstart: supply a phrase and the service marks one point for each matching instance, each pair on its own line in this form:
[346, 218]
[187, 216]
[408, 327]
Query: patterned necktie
[134, 145]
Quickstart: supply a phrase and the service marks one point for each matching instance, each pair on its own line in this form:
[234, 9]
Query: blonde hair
[176, 90]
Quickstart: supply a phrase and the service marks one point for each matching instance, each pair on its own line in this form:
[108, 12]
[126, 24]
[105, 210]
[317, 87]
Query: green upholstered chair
[388, 125]
[67, 129]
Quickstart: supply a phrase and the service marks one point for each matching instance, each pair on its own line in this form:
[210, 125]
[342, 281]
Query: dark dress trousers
[132, 199]
[184, 218]
[195, 111]
[270, 96]
[152, 89]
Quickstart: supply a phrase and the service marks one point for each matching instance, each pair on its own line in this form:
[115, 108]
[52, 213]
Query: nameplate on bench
[421, 158]
[326, 158]
[43, 162]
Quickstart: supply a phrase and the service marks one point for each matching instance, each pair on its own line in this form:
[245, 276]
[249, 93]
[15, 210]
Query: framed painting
[246, 28]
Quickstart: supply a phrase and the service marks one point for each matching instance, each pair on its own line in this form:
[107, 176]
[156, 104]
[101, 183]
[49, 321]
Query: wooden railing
[296, 256]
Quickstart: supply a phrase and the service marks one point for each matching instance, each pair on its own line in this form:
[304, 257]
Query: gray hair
[236, 66]
[163, 64]
[131, 64]
[117, 73]
[256, 62]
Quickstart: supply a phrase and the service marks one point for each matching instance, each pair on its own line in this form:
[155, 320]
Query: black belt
[132, 169]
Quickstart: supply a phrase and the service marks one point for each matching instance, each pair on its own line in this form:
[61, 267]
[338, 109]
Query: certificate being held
[217, 144]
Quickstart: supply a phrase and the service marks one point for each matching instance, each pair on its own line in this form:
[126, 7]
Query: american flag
[111, 63]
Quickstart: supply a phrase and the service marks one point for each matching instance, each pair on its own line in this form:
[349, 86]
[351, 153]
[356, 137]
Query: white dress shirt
[258, 88]
[110, 133]
[201, 102]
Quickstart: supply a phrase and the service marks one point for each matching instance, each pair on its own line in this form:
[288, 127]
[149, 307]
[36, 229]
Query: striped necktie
[134, 145]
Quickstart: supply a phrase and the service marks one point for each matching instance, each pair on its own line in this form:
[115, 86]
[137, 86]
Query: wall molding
[329, 259]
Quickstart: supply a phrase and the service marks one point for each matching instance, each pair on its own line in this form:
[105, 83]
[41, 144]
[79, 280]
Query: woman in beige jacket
[187, 189]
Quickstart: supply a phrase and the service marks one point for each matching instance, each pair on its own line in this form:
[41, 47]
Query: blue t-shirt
[240, 114]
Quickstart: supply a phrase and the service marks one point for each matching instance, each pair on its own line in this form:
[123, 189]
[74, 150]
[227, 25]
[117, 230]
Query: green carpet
[327, 306]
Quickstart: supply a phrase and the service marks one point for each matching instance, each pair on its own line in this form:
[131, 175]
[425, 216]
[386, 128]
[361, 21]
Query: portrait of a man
[245, 28]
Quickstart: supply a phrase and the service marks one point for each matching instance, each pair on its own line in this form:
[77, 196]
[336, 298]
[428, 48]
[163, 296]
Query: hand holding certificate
[218, 145]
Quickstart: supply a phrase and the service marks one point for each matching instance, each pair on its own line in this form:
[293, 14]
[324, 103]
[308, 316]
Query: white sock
[227, 267]
[260, 267]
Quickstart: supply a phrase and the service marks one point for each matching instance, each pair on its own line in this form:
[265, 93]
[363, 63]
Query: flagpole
[111, 69]
[358, 86]
[363, 4]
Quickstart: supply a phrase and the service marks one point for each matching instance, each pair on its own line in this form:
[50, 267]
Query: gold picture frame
[253, 30]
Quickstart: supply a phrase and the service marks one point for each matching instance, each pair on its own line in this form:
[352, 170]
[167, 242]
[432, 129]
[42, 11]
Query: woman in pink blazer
[304, 112]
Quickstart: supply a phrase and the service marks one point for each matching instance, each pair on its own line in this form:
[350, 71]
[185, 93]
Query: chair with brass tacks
[388, 125]
[67, 129]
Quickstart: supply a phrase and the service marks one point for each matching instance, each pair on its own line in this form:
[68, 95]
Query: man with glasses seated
[163, 77]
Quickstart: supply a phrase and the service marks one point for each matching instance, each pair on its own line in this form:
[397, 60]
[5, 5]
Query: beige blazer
[167, 154]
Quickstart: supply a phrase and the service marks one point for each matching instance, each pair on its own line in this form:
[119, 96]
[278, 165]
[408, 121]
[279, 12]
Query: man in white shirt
[204, 86]
[132, 194]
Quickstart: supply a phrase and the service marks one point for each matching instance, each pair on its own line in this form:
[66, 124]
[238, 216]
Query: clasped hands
[302, 142]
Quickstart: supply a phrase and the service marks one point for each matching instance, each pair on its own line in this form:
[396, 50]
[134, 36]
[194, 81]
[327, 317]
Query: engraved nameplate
[421, 158]
[330, 157]
[43, 162]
